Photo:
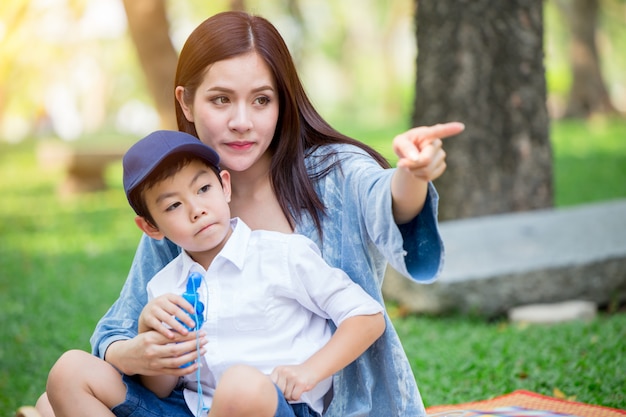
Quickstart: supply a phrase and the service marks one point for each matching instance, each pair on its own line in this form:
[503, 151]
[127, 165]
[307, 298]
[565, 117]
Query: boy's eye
[172, 206]
[204, 189]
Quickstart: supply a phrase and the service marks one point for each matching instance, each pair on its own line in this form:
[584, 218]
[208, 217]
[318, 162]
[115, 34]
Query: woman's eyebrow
[230, 90]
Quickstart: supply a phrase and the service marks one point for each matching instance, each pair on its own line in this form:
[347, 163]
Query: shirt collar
[188, 266]
[234, 251]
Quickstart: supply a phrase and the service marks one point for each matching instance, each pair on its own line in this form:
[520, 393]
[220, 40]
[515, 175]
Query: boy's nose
[197, 212]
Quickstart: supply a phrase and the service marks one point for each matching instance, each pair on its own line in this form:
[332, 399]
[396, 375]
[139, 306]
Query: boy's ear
[225, 175]
[179, 93]
[148, 228]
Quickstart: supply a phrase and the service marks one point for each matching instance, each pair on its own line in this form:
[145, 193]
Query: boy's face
[190, 208]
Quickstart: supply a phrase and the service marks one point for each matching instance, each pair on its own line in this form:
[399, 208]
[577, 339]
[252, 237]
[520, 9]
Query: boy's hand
[162, 312]
[294, 380]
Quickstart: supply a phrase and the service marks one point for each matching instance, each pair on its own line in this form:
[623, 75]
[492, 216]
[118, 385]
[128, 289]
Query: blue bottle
[191, 294]
[194, 280]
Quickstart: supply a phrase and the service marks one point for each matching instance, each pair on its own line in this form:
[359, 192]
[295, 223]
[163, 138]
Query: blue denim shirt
[360, 237]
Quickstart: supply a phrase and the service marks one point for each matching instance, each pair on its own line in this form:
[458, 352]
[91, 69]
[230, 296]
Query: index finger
[438, 131]
[410, 143]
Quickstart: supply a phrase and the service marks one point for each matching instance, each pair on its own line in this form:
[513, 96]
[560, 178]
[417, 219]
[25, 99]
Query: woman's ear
[180, 97]
[148, 228]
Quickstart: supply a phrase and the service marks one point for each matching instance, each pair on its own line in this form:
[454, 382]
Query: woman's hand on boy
[151, 353]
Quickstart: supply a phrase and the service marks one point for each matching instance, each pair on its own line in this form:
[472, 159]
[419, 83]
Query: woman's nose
[240, 120]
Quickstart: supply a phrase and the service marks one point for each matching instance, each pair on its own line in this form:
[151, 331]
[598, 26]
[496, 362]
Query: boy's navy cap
[145, 155]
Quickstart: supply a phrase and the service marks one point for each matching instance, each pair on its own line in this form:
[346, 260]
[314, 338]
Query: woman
[238, 91]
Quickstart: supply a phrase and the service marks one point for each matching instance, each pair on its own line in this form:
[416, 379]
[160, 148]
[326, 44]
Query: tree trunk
[149, 30]
[481, 63]
[588, 93]
[237, 5]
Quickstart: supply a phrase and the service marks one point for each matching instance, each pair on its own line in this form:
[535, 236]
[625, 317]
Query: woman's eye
[263, 100]
[220, 100]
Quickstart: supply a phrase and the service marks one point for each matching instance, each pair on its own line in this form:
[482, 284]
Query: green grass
[63, 262]
[590, 161]
[459, 359]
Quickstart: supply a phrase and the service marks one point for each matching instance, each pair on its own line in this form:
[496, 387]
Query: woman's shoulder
[151, 249]
[338, 154]
[335, 148]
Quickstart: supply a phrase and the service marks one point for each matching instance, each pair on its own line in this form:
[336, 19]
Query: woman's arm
[115, 338]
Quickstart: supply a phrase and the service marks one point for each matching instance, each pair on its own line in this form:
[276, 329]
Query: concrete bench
[494, 263]
[84, 168]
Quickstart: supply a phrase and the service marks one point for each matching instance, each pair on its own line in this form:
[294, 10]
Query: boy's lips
[204, 228]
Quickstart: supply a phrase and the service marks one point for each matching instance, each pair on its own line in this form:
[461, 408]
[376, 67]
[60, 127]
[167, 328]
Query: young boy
[267, 296]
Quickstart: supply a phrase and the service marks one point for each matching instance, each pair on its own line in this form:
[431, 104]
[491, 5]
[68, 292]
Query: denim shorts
[293, 410]
[141, 402]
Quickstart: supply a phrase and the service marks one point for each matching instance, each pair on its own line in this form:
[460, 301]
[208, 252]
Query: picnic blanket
[523, 403]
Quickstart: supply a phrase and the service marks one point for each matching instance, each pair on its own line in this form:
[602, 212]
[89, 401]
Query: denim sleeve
[414, 249]
[422, 242]
[120, 322]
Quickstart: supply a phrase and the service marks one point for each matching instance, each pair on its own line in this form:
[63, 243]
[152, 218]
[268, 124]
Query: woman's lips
[240, 146]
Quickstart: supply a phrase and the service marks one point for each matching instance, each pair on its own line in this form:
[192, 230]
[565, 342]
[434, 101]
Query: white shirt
[267, 297]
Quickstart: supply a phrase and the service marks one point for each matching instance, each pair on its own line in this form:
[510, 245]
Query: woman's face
[235, 110]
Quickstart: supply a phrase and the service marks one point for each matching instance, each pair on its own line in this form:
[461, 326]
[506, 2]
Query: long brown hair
[299, 130]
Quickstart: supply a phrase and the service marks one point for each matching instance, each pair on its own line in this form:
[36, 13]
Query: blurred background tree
[92, 69]
[67, 69]
[74, 69]
[588, 93]
[584, 40]
[150, 31]
[484, 65]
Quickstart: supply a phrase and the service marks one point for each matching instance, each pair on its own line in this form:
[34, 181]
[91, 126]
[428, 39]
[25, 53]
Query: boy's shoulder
[170, 274]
